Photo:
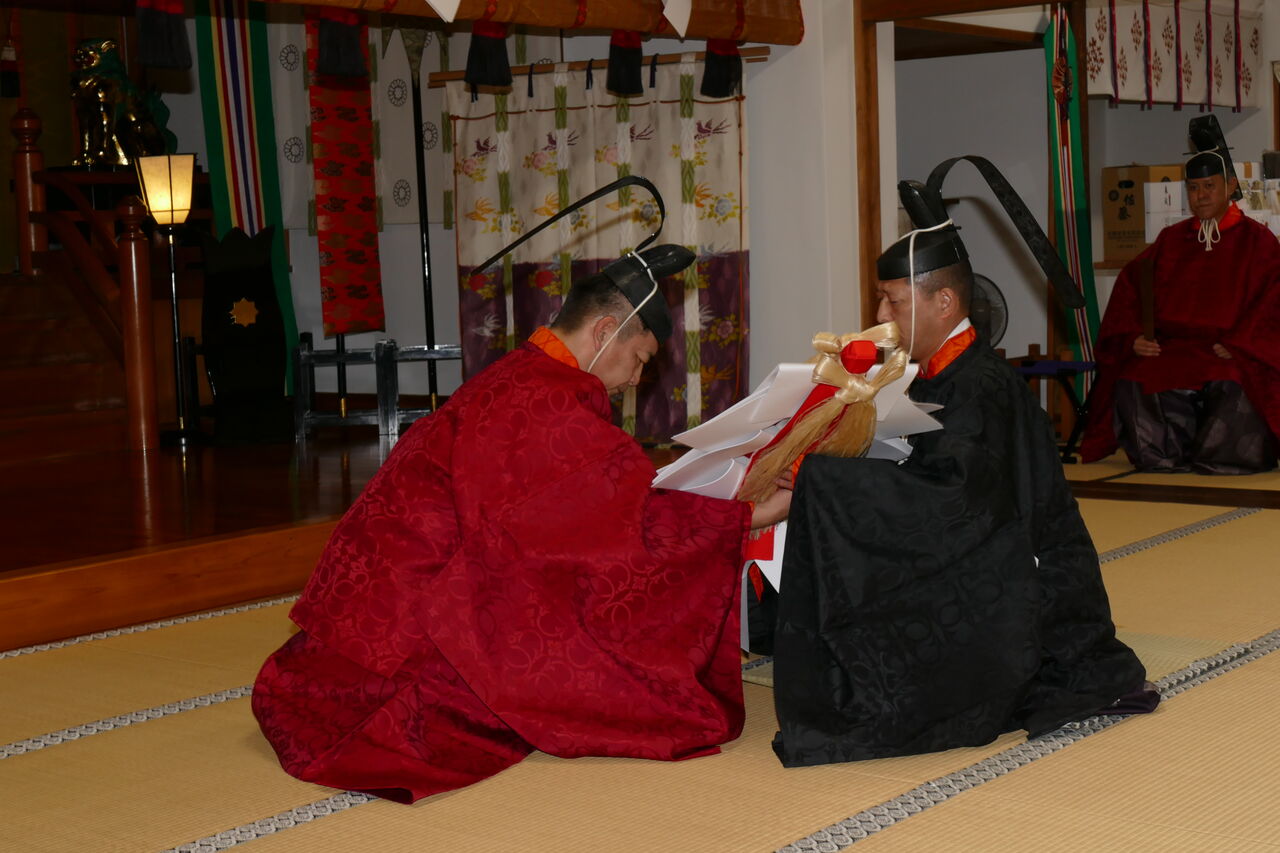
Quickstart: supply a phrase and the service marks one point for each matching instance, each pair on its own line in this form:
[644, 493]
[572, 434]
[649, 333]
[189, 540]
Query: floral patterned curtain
[1181, 52]
[521, 157]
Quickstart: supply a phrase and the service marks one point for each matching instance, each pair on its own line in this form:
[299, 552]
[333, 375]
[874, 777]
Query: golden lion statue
[117, 121]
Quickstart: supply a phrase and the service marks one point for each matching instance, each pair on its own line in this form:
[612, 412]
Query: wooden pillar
[28, 194]
[867, 153]
[133, 255]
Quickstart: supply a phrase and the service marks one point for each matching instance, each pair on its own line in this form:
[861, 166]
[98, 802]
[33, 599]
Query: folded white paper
[722, 446]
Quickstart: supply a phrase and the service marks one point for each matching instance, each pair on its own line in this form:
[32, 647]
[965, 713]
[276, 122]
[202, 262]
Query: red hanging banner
[346, 201]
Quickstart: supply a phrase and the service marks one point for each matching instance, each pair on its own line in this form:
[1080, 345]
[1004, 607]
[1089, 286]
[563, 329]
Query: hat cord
[633, 313]
[911, 274]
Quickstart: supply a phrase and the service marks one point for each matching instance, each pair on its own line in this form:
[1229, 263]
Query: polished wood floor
[80, 506]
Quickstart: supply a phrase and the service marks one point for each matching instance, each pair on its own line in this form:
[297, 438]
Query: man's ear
[948, 302]
[1233, 184]
[601, 329]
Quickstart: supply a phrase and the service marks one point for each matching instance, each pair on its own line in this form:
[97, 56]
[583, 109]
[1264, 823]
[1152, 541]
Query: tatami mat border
[275, 823]
[147, 626]
[1177, 533]
[31, 744]
[840, 835]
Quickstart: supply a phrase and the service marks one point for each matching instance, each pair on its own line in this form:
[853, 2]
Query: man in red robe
[509, 581]
[1194, 386]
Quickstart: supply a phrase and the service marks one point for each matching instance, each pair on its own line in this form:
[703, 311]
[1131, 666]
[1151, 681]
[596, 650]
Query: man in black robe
[942, 601]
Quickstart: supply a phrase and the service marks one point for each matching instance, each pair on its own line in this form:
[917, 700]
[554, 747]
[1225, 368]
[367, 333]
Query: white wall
[945, 108]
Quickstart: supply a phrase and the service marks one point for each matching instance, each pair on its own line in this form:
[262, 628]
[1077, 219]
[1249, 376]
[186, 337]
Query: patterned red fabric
[508, 581]
[346, 196]
[1230, 295]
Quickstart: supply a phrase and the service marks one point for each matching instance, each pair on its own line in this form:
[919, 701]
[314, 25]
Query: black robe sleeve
[943, 601]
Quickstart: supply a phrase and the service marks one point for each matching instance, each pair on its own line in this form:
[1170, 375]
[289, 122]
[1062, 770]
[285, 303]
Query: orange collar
[546, 340]
[1233, 216]
[948, 352]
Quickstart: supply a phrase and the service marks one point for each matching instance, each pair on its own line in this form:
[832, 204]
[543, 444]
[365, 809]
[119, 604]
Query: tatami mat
[55, 689]
[1116, 523]
[1198, 775]
[1266, 481]
[165, 782]
[1220, 585]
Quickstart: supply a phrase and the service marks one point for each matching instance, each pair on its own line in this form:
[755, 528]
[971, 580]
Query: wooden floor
[99, 540]
[78, 506]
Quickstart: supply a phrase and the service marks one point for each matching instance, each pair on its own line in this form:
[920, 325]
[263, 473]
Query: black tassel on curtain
[162, 34]
[338, 49]
[722, 76]
[487, 63]
[626, 60]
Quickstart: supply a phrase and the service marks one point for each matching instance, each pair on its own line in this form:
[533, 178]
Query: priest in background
[1190, 380]
[941, 601]
[509, 581]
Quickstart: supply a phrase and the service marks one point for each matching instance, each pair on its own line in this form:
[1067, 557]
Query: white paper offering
[722, 446]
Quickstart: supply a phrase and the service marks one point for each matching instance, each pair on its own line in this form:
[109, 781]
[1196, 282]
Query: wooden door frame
[866, 15]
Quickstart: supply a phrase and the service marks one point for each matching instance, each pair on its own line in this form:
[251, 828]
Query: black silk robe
[913, 614]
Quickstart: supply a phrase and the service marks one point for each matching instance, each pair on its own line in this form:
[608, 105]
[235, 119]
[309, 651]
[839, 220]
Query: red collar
[948, 352]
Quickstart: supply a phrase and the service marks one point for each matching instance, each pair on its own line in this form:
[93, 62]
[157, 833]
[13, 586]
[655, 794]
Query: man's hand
[774, 508]
[1221, 352]
[1146, 347]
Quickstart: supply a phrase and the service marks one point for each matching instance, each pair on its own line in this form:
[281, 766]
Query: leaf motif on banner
[1095, 58]
[1255, 41]
[1246, 79]
[1199, 39]
[1167, 33]
[1122, 68]
[1136, 31]
[1157, 68]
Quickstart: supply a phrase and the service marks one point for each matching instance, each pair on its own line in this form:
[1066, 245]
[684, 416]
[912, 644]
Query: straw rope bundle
[842, 424]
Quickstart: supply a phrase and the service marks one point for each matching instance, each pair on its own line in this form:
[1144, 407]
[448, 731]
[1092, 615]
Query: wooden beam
[926, 38]
[867, 154]
[437, 79]
[879, 11]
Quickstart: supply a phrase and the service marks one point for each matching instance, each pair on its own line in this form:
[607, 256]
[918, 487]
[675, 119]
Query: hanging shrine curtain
[390, 88]
[1181, 52]
[519, 158]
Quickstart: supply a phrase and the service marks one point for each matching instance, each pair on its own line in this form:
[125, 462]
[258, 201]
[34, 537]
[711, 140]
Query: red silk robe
[509, 581]
[1230, 295]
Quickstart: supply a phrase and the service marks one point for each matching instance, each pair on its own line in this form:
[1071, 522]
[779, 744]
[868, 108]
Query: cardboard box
[1124, 207]
[1165, 197]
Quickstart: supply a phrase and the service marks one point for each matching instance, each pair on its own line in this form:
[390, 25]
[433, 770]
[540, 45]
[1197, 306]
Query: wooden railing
[118, 305]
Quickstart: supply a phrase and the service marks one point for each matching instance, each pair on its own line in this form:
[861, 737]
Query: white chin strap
[911, 276]
[633, 313]
[1209, 233]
